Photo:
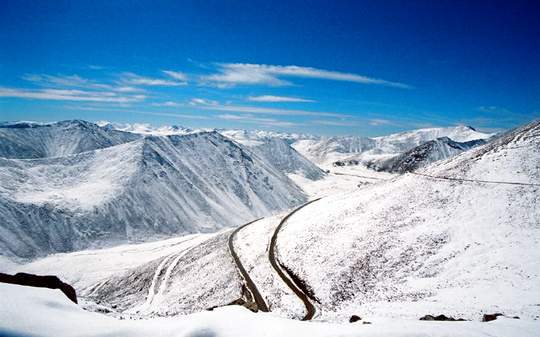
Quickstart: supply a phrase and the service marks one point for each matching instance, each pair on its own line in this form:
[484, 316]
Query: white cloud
[256, 120]
[379, 121]
[215, 106]
[74, 81]
[335, 123]
[271, 98]
[354, 122]
[167, 104]
[231, 74]
[203, 101]
[134, 79]
[179, 76]
[69, 95]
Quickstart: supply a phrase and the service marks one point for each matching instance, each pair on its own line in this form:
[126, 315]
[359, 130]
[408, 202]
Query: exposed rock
[48, 281]
[491, 317]
[354, 318]
[440, 318]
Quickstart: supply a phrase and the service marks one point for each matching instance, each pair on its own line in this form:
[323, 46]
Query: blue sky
[326, 67]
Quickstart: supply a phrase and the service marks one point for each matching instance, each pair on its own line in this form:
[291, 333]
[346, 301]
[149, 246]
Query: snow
[46, 312]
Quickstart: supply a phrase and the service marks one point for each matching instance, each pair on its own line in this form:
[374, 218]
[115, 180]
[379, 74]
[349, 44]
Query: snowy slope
[146, 188]
[46, 312]
[417, 245]
[420, 156]
[32, 140]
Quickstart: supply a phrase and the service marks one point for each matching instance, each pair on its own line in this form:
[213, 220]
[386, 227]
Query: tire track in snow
[297, 287]
[252, 288]
[174, 263]
[152, 290]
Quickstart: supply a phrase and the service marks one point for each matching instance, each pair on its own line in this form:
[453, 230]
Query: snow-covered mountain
[420, 156]
[277, 151]
[459, 237]
[33, 140]
[286, 159]
[153, 186]
[325, 151]
[401, 142]
[147, 129]
[328, 150]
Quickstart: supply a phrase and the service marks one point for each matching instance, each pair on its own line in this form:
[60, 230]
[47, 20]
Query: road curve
[259, 301]
[295, 286]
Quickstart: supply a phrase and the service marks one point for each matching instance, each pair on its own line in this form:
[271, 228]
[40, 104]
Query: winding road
[292, 282]
[356, 175]
[252, 288]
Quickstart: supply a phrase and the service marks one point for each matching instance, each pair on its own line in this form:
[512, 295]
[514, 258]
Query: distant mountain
[147, 129]
[150, 187]
[25, 140]
[325, 151]
[420, 156]
[404, 141]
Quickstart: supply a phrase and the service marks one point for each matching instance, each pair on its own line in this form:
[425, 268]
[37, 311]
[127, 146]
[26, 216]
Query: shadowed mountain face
[147, 188]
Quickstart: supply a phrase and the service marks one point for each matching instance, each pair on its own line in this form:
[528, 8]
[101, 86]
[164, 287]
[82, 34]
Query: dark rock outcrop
[490, 317]
[440, 318]
[47, 281]
[354, 318]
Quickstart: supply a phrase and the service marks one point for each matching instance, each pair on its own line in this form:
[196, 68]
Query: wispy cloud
[494, 109]
[335, 123]
[130, 78]
[69, 95]
[354, 122]
[203, 101]
[271, 98]
[380, 121]
[177, 75]
[75, 81]
[257, 120]
[231, 74]
[261, 110]
[167, 104]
